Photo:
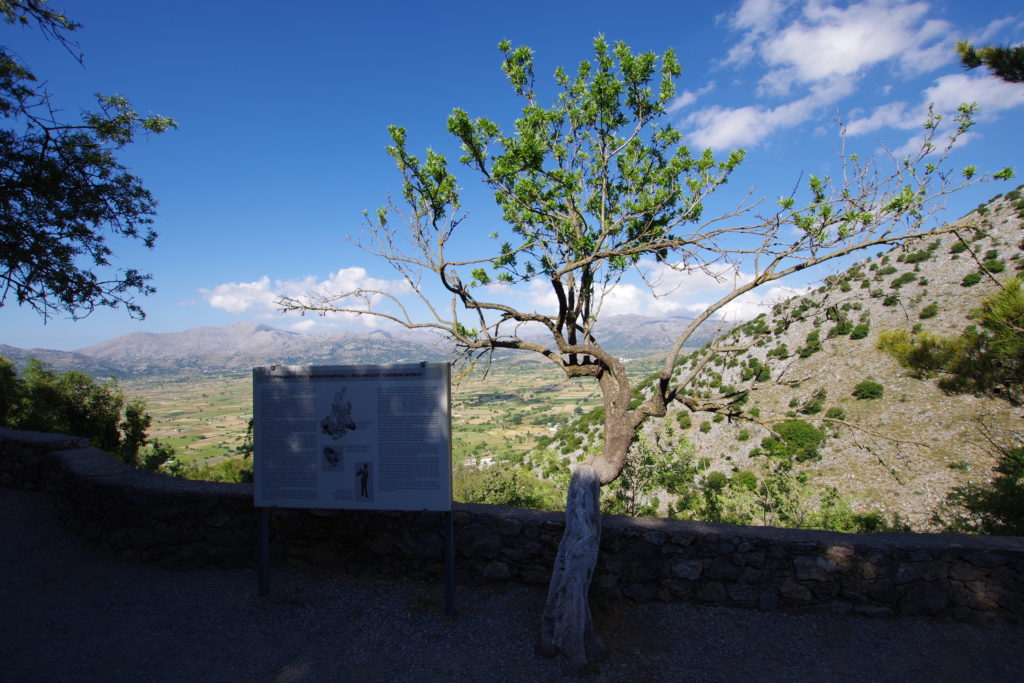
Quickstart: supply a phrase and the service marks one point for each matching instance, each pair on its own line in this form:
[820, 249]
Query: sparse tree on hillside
[592, 187]
[62, 191]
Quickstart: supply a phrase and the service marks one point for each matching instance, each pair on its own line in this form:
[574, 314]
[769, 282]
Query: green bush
[929, 311]
[970, 280]
[957, 248]
[794, 439]
[72, 403]
[891, 300]
[904, 279]
[868, 389]
[994, 265]
[744, 479]
[835, 413]
[744, 435]
[705, 426]
[811, 345]
[860, 331]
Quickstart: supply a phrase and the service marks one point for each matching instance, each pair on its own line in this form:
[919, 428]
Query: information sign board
[374, 437]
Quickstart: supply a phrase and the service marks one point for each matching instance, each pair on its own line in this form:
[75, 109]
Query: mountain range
[243, 345]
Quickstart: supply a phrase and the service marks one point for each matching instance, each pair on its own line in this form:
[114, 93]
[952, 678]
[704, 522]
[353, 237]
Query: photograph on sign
[353, 436]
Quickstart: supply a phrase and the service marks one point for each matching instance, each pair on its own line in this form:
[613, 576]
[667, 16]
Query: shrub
[794, 439]
[904, 279]
[860, 331]
[744, 435]
[744, 479]
[684, 419]
[958, 247]
[891, 300]
[718, 418]
[994, 265]
[811, 345]
[835, 413]
[868, 389]
[929, 311]
[970, 280]
[705, 426]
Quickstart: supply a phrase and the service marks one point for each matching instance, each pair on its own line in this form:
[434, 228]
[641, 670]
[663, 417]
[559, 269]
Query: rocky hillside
[902, 452]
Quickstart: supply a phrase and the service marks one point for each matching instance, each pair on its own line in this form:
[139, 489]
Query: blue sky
[283, 119]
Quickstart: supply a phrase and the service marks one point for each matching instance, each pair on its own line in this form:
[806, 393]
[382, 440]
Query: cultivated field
[496, 414]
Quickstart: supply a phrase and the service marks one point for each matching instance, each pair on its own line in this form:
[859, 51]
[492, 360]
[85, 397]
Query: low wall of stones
[182, 523]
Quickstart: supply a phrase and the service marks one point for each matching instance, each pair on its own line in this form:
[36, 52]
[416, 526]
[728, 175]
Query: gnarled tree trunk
[566, 627]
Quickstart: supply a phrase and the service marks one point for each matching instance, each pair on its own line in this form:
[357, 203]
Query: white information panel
[353, 436]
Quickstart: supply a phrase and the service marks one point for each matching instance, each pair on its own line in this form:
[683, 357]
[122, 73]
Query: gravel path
[70, 612]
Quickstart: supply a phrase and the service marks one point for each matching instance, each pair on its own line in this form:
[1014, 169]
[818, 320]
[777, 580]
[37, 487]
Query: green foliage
[63, 192]
[705, 427]
[835, 413]
[68, 403]
[929, 311]
[155, 457]
[794, 439]
[73, 403]
[504, 484]
[868, 389]
[651, 468]
[986, 360]
[841, 328]
[994, 265]
[814, 404]
[970, 280]
[1006, 63]
[811, 345]
[231, 471]
[834, 513]
[903, 279]
[995, 507]
[860, 331]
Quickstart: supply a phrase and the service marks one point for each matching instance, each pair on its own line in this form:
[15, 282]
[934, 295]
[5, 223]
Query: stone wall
[202, 524]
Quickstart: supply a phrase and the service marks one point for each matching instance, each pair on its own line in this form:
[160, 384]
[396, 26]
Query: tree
[592, 187]
[1006, 62]
[72, 403]
[62, 191]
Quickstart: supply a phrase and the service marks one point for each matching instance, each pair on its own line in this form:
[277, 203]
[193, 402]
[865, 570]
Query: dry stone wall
[204, 524]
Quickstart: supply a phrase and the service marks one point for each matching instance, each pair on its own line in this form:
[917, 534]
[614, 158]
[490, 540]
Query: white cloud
[260, 296]
[991, 94]
[305, 325]
[688, 97]
[839, 41]
[892, 115]
[721, 128]
[751, 304]
[238, 297]
[817, 52]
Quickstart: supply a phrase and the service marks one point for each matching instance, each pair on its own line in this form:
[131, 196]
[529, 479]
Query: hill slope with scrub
[823, 421]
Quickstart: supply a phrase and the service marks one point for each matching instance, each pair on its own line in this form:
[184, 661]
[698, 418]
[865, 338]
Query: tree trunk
[566, 627]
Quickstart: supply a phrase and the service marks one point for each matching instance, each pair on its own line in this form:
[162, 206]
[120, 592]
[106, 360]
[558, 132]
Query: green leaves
[63, 192]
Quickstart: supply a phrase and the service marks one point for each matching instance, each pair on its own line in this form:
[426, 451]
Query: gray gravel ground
[69, 612]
